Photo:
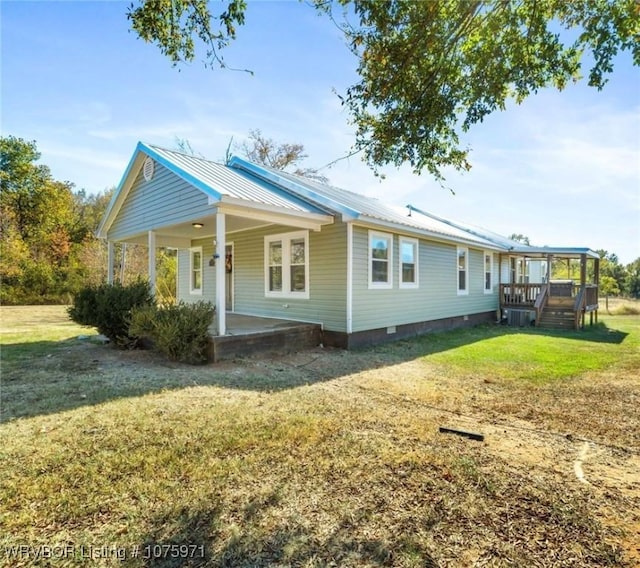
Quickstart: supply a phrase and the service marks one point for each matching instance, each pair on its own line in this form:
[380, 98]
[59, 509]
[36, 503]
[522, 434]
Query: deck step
[559, 315]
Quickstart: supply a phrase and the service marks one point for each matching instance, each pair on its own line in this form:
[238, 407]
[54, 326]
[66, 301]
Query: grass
[533, 355]
[325, 457]
[622, 306]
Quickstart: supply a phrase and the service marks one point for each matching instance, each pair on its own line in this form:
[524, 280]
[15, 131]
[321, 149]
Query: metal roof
[371, 209]
[258, 184]
[217, 180]
[566, 252]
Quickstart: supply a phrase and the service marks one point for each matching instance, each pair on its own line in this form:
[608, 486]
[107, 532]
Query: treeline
[48, 250]
[616, 279]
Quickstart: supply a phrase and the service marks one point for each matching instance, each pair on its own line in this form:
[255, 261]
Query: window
[287, 265]
[488, 273]
[408, 263]
[463, 253]
[380, 259]
[195, 281]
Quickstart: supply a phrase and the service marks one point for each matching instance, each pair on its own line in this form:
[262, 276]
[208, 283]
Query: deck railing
[519, 294]
[540, 303]
[527, 295]
[578, 308]
[591, 300]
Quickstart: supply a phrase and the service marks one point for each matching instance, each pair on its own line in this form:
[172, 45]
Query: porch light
[197, 225]
[215, 256]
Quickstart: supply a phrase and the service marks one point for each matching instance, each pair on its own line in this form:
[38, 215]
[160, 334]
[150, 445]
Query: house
[262, 243]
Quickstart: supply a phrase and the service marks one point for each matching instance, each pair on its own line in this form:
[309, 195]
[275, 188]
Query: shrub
[108, 307]
[180, 332]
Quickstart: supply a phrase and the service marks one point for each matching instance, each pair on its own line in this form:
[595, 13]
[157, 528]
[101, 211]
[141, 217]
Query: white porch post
[349, 278]
[152, 262]
[110, 259]
[221, 298]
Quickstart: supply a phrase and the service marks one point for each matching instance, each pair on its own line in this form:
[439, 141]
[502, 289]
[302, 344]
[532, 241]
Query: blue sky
[562, 168]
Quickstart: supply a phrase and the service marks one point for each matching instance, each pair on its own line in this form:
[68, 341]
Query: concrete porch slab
[250, 335]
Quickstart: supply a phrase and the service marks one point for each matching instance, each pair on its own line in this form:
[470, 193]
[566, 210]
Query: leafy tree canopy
[430, 70]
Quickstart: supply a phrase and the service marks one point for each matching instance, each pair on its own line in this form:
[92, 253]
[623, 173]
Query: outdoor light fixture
[215, 256]
[197, 225]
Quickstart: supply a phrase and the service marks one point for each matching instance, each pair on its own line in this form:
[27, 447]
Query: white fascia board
[397, 228]
[121, 192]
[271, 213]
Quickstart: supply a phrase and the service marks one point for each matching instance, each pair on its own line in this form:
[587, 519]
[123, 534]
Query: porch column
[583, 270]
[221, 298]
[152, 262]
[110, 259]
[549, 261]
[596, 277]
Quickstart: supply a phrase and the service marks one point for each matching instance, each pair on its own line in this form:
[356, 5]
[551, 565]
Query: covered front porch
[247, 335]
[551, 288]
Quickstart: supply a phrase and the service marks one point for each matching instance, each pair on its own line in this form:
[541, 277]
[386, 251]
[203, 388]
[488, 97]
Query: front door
[228, 270]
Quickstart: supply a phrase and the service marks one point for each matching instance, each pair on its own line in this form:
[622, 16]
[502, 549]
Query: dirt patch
[540, 432]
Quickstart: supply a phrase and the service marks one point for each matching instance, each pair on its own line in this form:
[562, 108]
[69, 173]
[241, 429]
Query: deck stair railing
[578, 307]
[540, 303]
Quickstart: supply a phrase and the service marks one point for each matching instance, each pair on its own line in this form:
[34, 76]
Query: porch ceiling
[180, 235]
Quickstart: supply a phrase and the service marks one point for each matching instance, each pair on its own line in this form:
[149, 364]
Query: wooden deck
[249, 335]
[559, 305]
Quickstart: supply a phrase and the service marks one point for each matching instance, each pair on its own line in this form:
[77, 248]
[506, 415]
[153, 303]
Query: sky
[561, 168]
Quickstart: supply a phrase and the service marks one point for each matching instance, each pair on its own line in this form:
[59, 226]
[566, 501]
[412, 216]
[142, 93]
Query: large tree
[429, 70]
[39, 233]
[280, 156]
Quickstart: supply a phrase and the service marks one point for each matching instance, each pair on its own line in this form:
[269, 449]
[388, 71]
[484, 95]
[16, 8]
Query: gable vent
[147, 169]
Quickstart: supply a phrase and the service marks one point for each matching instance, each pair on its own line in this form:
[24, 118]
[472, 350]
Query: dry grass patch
[326, 457]
[622, 306]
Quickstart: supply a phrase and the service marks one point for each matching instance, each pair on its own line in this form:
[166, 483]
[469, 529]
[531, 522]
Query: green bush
[180, 332]
[108, 307]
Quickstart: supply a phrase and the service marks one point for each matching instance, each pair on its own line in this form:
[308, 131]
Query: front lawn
[326, 457]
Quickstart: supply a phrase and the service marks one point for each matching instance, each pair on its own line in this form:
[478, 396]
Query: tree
[430, 70]
[632, 279]
[608, 287]
[519, 237]
[262, 150]
[610, 266]
[39, 237]
[172, 25]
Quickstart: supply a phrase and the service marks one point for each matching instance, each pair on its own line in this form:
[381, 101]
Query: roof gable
[214, 180]
[243, 182]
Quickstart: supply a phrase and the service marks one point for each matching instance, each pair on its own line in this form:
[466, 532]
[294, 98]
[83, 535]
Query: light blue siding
[327, 276]
[208, 273]
[164, 200]
[435, 298]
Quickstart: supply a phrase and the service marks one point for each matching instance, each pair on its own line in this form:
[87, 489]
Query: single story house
[268, 244]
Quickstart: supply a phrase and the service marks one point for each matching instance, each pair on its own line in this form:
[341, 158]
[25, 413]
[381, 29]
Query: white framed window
[195, 270]
[380, 260]
[408, 262]
[463, 270]
[488, 272]
[286, 263]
